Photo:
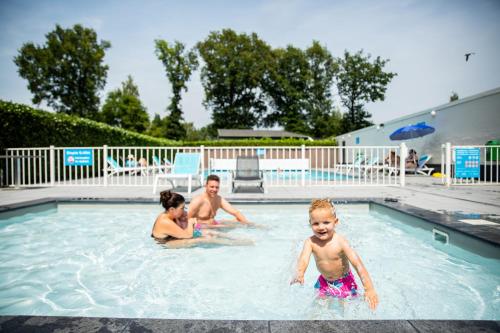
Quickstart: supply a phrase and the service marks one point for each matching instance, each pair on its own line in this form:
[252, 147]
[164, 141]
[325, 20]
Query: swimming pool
[294, 176]
[99, 260]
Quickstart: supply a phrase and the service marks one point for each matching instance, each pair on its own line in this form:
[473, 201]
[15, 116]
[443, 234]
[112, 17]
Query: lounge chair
[422, 168]
[247, 171]
[162, 168]
[186, 167]
[114, 168]
[371, 165]
[357, 163]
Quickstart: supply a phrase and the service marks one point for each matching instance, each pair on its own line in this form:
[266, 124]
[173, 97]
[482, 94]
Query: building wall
[470, 121]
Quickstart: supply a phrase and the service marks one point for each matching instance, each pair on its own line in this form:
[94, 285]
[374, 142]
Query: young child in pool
[333, 255]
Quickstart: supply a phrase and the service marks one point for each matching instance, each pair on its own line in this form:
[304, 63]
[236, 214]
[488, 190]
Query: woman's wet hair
[321, 204]
[170, 199]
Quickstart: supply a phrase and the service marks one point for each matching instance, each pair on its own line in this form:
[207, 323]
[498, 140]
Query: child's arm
[303, 262]
[370, 294]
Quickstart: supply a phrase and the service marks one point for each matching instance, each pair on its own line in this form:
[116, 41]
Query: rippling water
[99, 260]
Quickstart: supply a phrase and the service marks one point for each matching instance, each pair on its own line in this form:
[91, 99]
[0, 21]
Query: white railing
[470, 165]
[138, 166]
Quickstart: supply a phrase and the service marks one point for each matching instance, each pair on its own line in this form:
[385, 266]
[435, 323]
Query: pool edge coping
[94, 324]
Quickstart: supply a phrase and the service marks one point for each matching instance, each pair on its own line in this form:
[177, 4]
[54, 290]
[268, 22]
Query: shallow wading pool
[72, 259]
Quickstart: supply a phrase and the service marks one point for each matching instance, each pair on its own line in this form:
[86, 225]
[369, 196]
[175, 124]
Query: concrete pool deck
[457, 204]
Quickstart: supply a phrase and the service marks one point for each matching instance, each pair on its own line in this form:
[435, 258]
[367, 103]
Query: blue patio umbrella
[412, 131]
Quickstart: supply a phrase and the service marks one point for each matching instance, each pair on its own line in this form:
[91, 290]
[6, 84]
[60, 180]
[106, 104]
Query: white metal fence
[138, 166]
[470, 165]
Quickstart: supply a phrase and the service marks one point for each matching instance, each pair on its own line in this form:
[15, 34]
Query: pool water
[292, 175]
[99, 260]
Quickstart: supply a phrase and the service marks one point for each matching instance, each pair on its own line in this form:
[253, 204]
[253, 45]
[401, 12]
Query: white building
[474, 120]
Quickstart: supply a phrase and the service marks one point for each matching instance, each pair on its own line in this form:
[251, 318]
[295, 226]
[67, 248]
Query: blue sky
[424, 40]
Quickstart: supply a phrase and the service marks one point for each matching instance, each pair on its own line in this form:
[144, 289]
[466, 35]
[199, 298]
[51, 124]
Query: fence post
[202, 152]
[52, 166]
[402, 164]
[303, 152]
[443, 147]
[105, 163]
[448, 164]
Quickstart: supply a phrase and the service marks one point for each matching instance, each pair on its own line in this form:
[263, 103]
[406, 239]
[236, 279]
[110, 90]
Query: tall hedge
[24, 126]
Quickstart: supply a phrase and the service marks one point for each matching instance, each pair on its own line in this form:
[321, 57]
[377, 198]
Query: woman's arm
[172, 229]
[303, 262]
[370, 294]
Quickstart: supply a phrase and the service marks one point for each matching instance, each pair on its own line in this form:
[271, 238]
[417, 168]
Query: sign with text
[467, 162]
[78, 157]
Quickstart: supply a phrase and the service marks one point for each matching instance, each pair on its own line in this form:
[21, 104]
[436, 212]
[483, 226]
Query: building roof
[249, 133]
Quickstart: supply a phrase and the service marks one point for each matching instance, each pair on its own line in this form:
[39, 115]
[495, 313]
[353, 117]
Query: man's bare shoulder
[197, 200]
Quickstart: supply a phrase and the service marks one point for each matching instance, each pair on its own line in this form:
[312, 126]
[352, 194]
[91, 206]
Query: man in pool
[204, 207]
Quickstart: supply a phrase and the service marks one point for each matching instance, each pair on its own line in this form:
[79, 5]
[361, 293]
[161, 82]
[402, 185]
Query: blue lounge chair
[186, 167]
[422, 168]
[356, 164]
[114, 168]
[162, 168]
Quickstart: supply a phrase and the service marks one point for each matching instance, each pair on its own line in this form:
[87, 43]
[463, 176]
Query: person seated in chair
[411, 161]
[392, 159]
[131, 162]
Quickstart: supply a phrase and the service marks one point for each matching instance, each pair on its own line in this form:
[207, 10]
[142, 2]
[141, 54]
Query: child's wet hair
[321, 204]
[170, 199]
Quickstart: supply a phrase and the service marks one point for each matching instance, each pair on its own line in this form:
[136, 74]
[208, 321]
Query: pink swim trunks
[344, 287]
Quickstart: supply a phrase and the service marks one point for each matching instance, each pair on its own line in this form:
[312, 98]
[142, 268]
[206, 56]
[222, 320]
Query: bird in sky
[467, 55]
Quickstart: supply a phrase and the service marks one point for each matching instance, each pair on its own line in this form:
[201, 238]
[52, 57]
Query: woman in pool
[173, 229]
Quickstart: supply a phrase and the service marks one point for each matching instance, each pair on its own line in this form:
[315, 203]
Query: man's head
[212, 185]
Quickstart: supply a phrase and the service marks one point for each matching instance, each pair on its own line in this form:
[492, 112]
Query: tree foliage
[360, 81]
[67, 72]
[123, 108]
[299, 86]
[232, 75]
[324, 121]
[179, 65]
[287, 87]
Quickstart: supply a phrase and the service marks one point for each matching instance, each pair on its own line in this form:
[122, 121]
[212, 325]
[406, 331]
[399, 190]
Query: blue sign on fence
[467, 162]
[261, 151]
[78, 157]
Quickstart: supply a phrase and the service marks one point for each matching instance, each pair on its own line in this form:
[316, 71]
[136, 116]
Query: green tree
[179, 64]
[194, 134]
[123, 108]
[232, 75]
[453, 97]
[158, 127]
[287, 87]
[323, 121]
[67, 72]
[360, 81]
[299, 86]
